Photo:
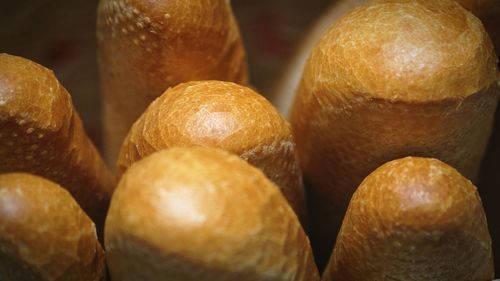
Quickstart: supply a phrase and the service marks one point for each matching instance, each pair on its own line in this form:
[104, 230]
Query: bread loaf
[144, 47]
[282, 95]
[222, 115]
[203, 214]
[44, 234]
[42, 134]
[413, 219]
[391, 79]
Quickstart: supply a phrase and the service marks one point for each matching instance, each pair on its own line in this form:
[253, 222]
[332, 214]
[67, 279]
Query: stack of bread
[371, 178]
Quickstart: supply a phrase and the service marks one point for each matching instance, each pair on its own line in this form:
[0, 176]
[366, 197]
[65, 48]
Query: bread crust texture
[145, 47]
[222, 115]
[203, 214]
[413, 219]
[391, 79]
[44, 234]
[41, 133]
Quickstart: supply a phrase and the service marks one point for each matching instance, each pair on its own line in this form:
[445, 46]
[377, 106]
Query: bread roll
[144, 47]
[413, 219]
[222, 115]
[41, 133]
[203, 214]
[282, 95]
[44, 234]
[391, 79]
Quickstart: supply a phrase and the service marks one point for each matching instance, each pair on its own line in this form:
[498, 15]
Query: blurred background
[60, 35]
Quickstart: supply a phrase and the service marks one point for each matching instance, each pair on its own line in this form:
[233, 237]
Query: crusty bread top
[404, 50]
[222, 115]
[44, 234]
[421, 194]
[209, 209]
[30, 93]
[42, 134]
[146, 46]
[165, 43]
[413, 219]
[206, 113]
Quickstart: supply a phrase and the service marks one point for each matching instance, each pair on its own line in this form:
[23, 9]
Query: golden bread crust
[411, 51]
[144, 47]
[44, 234]
[413, 219]
[222, 115]
[42, 134]
[203, 214]
[391, 79]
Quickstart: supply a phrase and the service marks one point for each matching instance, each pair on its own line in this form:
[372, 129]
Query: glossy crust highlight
[413, 219]
[203, 214]
[44, 234]
[222, 115]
